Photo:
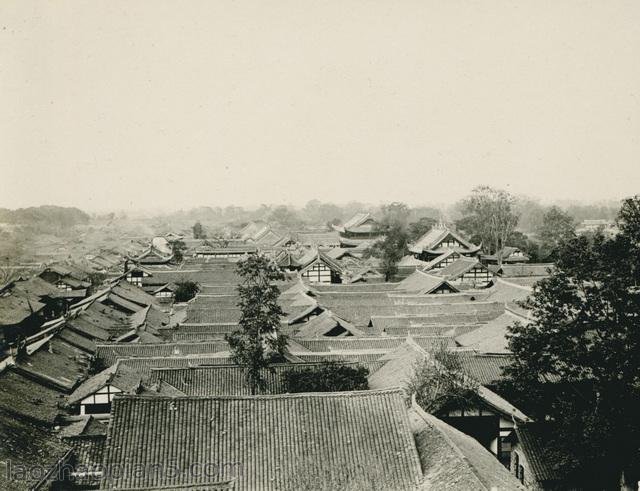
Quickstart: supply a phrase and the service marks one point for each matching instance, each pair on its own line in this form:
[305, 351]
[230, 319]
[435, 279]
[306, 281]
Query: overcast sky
[123, 104]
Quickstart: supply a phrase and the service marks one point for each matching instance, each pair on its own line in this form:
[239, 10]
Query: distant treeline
[314, 214]
[44, 217]
[317, 213]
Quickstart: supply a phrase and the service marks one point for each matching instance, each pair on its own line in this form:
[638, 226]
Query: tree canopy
[198, 231]
[557, 226]
[489, 217]
[178, 247]
[327, 377]
[185, 291]
[393, 228]
[258, 342]
[439, 383]
[577, 367]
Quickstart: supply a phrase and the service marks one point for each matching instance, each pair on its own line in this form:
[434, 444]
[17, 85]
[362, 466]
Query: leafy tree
[522, 242]
[285, 217]
[258, 342]
[439, 382]
[327, 377]
[185, 291]
[421, 227]
[178, 247]
[198, 231]
[395, 238]
[96, 279]
[489, 217]
[557, 226]
[585, 339]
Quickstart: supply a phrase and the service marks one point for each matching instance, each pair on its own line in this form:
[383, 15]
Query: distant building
[231, 251]
[360, 228]
[506, 255]
[318, 267]
[608, 227]
[467, 272]
[153, 257]
[441, 240]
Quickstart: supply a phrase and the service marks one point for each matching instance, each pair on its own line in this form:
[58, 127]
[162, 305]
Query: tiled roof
[227, 380]
[354, 288]
[453, 461]
[459, 267]
[505, 254]
[213, 316]
[398, 368]
[423, 283]
[484, 368]
[219, 289]
[431, 240]
[357, 220]
[86, 328]
[529, 269]
[88, 452]
[504, 291]
[326, 324]
[428, 329]
[366, 343]
[482, 309]
[77, 340]
[358, 357]
[133, 294]
[144, 365]
[15, 308]
[303, 441]
[109, 353]
[204, 335]
[56, 363]
[211, 301]
[26, 398]
[320, 256]
[123, 377]
[531, 438]
[330, 299]
[122, 303]
[27, 445]
[437, 260]
[526, 281]
[491, 337]
[464, 297]
[36, 288]
[410, 261]
[329, 238]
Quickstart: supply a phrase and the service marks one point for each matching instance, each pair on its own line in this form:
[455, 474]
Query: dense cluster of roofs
[113, 385]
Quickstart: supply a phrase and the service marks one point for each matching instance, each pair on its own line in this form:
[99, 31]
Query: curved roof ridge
[428, 419]
[300, 395]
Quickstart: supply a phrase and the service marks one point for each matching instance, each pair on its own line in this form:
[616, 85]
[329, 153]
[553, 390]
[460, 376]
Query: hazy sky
[143, 104]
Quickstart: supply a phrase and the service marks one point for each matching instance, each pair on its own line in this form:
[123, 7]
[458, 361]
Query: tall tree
[557, 226]
[178, 247]
[258, 342]
[585, 339]
[198, 231]
[395, 238]
[490, 216]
